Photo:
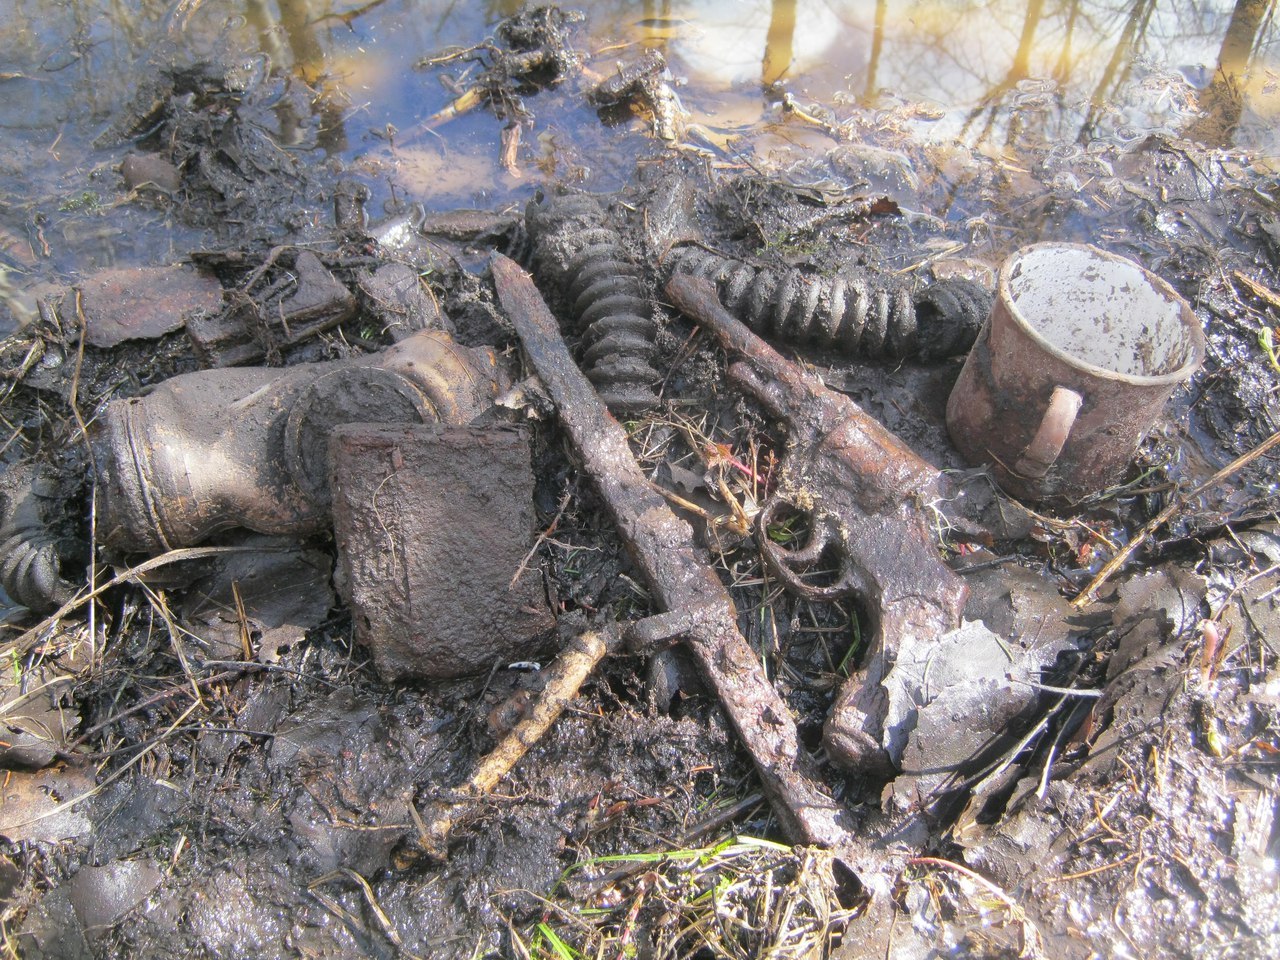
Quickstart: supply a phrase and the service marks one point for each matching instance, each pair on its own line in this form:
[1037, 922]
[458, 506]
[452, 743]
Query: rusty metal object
[432, 525]
[680, 580]
[1081, 353]
[859, 312]
[139, 303]
[304, 301]
[217, 449]
[572, 248]
[30, 559]
[861, 493]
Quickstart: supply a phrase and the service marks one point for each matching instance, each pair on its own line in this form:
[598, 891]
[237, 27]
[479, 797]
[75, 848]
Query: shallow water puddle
[988, 75]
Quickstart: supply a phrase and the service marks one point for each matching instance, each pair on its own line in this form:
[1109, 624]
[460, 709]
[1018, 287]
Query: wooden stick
[564, 678]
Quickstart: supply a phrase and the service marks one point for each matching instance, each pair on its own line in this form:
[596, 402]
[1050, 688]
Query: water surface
[994, 76]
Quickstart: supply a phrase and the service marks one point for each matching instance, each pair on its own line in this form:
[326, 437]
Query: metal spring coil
[858, 313]
[30, 571]
[30, 559]
[570, 246]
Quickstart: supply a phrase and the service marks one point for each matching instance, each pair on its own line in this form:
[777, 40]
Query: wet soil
[262, 802]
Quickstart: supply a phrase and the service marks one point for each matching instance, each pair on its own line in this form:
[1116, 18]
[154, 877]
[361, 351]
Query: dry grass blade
[1032, 943]
[160, 604]
[384, 922]
[744, 898]
[28, 638]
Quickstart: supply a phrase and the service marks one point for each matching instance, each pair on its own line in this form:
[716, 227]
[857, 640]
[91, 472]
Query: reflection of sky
[69, 67]
[956, 55]
[941, 50]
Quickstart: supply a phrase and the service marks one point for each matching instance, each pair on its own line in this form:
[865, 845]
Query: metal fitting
[226, 448]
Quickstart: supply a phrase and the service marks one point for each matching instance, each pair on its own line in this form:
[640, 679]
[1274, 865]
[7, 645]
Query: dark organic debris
[286, 301]
[644, 82]
[449, 806]
[222, 160]
[530, 52]
[37, 713]
[434, 529]
[1200, 830]
[255, 602]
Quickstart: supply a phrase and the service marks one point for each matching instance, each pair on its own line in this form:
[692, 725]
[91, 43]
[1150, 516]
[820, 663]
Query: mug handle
[1055, 427]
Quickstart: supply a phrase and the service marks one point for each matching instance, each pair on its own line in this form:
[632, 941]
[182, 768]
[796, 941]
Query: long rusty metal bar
[679, 578]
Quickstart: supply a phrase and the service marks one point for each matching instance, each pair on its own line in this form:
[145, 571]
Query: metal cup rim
[1005, 299]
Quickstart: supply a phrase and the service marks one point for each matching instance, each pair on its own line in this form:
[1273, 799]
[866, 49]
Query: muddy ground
[188, 781]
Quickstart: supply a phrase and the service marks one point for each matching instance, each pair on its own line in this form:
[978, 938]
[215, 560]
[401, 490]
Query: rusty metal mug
[1081, 352]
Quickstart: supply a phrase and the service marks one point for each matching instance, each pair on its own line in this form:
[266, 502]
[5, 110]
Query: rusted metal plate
[433, 525]
[141, 303]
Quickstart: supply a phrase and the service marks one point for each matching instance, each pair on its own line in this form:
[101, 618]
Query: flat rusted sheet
[138, 303]
[431, 524]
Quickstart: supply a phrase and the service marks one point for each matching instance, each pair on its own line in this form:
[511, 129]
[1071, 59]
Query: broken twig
[564, 678]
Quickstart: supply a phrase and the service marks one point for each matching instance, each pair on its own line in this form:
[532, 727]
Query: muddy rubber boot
[248, 447]
[30, 554]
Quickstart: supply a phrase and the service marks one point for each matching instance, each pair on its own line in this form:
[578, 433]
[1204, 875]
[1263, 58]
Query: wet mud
[208, 759]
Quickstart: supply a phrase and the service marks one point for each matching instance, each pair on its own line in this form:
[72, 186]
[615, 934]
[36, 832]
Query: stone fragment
[102, 895]
[150, 170]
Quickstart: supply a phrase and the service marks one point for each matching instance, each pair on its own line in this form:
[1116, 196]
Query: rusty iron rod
[662, 546]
